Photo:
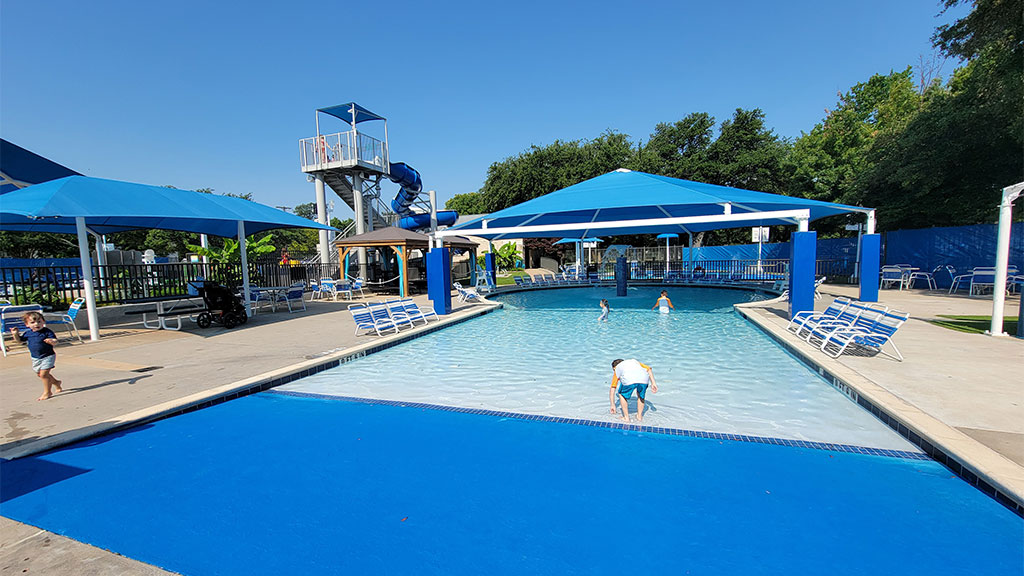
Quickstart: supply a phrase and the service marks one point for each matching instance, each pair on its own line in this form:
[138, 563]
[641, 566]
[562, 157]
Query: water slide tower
[353, 164]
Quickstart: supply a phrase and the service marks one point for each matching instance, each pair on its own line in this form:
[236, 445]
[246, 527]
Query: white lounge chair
[293, 297]
[891, 275]
[417, 313]
[833, 310]
[396, 311]
[466, 294]
[848, 317]
[876, 336]
[68, 318]
[367, 321]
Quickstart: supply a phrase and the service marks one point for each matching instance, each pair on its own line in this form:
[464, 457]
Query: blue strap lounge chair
[820, 327]
[875, 336]
[10, 317]
[865, 319]
[396, 311]
[416, 313]
[466, 294]
[68, 318]
[367, 322]
[832, 311]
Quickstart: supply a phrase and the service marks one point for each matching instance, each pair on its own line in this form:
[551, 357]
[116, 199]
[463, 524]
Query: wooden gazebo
[401, 241]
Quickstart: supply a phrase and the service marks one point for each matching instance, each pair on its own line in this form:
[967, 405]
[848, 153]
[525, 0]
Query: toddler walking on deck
[40, 340]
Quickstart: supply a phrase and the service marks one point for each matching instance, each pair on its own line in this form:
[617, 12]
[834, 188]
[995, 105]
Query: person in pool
[605, 309]
[627, 376]
[663, 304]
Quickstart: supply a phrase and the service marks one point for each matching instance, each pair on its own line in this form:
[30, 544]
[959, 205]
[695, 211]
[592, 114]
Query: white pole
[1010, 193]
[90, 294]
[871, 223]
[360, 212]
[856, 265]
[245, 266]
[579, 249]
[321, 217]
[760, 233]
[204, 241]
[690, 234]
[438, 243]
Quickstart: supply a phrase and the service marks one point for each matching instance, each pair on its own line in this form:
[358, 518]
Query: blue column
[472, 268]
[439, 280]
[802, 260]
[870, 266]
[621, 276]
[490, 268]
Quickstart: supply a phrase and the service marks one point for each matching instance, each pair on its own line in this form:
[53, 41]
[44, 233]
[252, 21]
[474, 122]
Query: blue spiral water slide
[411, 185]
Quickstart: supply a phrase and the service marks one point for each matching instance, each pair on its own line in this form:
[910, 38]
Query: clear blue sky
[217, 94]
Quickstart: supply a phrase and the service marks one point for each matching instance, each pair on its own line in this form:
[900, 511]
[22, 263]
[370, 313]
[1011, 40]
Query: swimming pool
[275, 484]
[545, 353]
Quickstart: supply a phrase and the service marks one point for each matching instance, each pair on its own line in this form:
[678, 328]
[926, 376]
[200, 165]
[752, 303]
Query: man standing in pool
[627, 376]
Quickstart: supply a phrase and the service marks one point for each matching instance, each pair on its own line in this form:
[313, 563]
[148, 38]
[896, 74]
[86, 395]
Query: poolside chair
[396, 311]
[415, 312]
[294, 295]
[833, 310]
[466, 294]
[367, 321]
[957, 279]
[519, 281]
[848, 317]
[10, 317]
[875, 336]
[257, 300]
[68, 318]
[891, 275]
[314, 290]
[865, 319]
[928, 277]
[357, 286]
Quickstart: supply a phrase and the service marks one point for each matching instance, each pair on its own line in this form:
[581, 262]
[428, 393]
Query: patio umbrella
[667, 237]
[80, 204]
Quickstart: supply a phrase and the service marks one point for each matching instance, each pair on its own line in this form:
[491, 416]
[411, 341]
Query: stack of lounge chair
[389, 317]
[845, 322]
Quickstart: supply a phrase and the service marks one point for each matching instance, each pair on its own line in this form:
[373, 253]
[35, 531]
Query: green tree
[678, 150]
[468, 203]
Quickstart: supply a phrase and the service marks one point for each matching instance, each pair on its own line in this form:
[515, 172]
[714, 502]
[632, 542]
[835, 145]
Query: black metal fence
[58, 286]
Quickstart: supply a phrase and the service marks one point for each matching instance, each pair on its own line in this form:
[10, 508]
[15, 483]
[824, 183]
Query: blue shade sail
[626, 195]
[110, 206]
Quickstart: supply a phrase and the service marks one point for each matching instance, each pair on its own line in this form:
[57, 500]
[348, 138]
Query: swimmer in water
[663, 304]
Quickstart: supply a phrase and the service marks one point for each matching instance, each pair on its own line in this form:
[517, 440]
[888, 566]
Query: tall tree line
[922, 151]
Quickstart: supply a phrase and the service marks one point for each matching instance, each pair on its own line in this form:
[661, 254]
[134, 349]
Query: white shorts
[44, 363]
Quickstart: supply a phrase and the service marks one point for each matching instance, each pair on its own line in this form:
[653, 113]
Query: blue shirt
[36, 345]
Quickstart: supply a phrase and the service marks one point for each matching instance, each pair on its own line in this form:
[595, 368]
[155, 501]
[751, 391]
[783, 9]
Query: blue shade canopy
[346, 111]
[110, 206]
[663, 236]
[575, 240]
[20, 168]
[624, 195]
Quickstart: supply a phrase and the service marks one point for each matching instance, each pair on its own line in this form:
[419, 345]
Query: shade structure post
[1010, 193]
[666, 256]
[621, 276]
[321, 217]
[690, 240]
[870, 266]
[403, 271]
[579, 249]
[90, 294]
[439, 280]
[490, 267]
[803, 258]
[245, 266]
[204, 241]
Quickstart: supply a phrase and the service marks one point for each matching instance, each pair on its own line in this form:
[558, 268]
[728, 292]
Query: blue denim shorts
[44, 363]
[626, 390]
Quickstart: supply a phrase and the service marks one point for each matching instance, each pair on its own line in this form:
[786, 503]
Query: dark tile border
[935, 453]
[620, 426]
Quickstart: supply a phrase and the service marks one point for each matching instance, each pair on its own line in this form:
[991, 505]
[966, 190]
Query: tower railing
[343, 150]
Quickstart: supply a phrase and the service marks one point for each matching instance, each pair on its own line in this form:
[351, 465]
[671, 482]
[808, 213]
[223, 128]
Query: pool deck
[959, 391]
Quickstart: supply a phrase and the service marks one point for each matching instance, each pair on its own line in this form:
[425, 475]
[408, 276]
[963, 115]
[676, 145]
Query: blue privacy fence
[962, 247]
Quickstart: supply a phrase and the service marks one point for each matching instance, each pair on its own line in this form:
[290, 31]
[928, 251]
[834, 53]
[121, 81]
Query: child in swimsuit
[605, 309]
[663, 304]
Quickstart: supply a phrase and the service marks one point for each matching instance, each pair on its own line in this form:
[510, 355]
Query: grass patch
[974, 324]
[510, 279]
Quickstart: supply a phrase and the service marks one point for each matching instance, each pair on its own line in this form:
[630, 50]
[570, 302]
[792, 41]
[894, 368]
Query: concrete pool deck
[961, 391]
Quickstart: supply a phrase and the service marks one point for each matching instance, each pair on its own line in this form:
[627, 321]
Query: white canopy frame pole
[90, 294]
[1010, 193]
[667, 239]
[690, 245]
[245, 266]
[204, 241]
[802, 216]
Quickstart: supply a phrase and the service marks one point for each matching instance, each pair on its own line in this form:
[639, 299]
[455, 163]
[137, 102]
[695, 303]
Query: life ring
[698, 272]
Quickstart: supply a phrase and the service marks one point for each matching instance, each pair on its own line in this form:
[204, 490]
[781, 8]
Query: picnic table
[168, 308]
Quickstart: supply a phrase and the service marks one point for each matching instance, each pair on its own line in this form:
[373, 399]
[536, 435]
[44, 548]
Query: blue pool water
[273, 484]
[545, 353]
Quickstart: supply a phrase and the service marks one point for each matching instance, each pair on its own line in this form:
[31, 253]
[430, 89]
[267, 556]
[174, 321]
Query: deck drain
[147, 369]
